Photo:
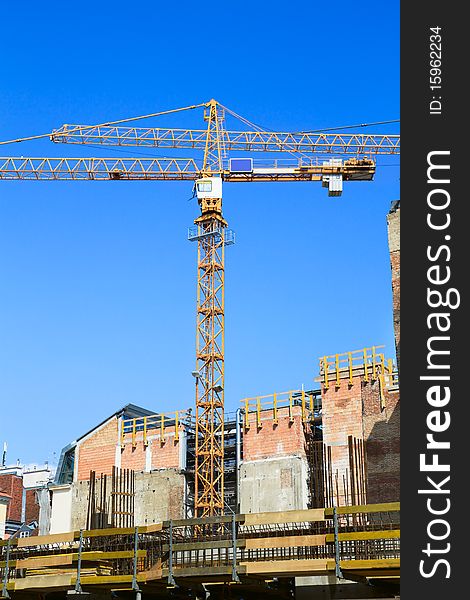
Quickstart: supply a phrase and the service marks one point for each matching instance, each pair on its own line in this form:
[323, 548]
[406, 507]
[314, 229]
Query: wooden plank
[377, 563]
[155, 571]
[364, 508]
[289, 567]
[109, 531]
[290, 541]
[288, 516]
[386, 534]
[48, 582]
[108, 579]
[68, 559]
[153, 528]
[44, 540]
[45, 561]
[3, 564]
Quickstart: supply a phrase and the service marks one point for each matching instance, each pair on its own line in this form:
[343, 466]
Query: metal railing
[140, 428]
[308, 401]
[197, 232]
[369, 363]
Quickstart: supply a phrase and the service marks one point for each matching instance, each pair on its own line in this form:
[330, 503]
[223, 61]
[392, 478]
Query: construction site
[295, 493]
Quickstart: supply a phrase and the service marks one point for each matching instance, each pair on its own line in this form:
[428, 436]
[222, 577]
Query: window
[204, 186]
[66, 465]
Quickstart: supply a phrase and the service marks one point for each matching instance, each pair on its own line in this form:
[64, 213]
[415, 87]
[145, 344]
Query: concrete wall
[273, 484]
[274, 471]
[61, 515]
[36, 478]
[159, 495]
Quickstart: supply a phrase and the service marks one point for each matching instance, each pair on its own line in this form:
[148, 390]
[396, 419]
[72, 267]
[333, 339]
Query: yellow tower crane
[353, 161]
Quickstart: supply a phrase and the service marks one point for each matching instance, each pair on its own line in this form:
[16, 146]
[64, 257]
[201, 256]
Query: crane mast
[210, 234]
[210, 229]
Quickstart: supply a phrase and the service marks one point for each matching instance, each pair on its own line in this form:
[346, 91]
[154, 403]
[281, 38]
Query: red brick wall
[32, 507]
[394, 247]
[341, 417]
[165, 450]
[382, 435]
[166, 454]
[13, 485]
[98, 452]
[356, 410]
[395, 261]
[133, 457]
[271, 440]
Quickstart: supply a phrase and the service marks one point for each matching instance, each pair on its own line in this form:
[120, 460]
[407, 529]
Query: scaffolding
[353, 542]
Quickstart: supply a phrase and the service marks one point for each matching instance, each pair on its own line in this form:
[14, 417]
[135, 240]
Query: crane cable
[165, 112]
[352, 126]
[293, 152]
[266, 129]
[297, 152]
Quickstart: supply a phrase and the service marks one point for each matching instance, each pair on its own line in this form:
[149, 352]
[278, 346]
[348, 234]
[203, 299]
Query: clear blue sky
[97, 302]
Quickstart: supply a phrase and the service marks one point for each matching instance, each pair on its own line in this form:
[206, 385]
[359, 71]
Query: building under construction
[294, 493]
